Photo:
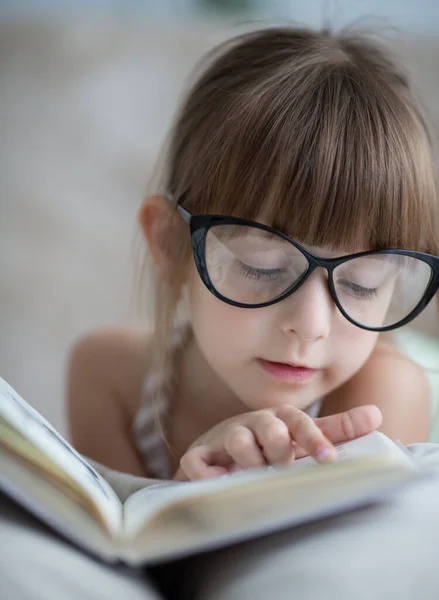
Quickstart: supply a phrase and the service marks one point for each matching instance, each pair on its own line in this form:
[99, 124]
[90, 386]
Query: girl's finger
[350, 424]
[241, 445]
[274, 437]
[201, 462]
[304, 431]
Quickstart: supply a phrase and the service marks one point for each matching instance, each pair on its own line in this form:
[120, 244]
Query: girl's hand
[272, 436]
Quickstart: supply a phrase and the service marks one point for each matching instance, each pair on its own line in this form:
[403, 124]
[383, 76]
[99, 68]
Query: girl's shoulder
[390, 373]
[118, 358]
[388, 353]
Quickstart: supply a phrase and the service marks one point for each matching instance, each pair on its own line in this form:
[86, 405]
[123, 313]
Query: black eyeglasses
[251, 265]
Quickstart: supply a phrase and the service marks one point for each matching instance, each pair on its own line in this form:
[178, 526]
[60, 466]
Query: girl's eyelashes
[359, 291]
[259, 274]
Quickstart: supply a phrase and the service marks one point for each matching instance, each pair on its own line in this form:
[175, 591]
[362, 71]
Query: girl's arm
[105, 375]
[397, 386]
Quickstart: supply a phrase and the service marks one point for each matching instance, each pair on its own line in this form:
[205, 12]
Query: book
[41, 471]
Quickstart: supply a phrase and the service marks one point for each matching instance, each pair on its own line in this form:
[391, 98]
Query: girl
[297, 221]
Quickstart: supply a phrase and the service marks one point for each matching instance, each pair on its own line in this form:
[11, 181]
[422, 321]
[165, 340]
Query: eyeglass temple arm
[184, 213]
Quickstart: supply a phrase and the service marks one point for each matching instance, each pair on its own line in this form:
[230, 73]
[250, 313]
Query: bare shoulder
[394, 383]
[118, 357]
[105, 374]
[388, 361]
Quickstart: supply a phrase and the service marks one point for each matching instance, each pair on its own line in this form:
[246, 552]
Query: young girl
[298, 205]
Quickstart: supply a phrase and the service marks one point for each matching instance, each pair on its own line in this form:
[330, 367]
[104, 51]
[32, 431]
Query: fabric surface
[35, 564]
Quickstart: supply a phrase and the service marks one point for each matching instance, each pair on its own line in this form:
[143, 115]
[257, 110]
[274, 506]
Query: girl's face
[291, 352]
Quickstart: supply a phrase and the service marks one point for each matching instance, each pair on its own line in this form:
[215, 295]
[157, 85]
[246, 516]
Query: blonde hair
[316, 133]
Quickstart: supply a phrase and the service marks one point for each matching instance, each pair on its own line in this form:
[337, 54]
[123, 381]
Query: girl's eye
[259, 274]
[359, 291]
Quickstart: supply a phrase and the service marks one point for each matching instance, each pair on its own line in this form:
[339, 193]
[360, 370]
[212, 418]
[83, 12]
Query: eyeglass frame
[199, 226]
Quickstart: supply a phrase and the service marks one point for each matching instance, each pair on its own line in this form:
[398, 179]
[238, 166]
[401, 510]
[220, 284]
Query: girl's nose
[309, 312]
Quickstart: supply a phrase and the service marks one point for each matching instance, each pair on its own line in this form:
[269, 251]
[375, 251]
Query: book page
[33, 427]
[55, 505]
[24, 452]
[143, 505]
[282, 499]
[374, 443]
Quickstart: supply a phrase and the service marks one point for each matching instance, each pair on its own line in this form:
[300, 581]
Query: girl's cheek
[352, 351]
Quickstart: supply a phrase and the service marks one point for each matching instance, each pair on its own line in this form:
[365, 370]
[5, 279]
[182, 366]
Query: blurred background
[87, 91]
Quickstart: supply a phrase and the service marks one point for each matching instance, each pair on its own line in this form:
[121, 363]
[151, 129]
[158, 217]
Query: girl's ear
[160, 224]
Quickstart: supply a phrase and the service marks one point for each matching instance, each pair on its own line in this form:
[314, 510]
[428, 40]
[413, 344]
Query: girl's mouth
[287, 372]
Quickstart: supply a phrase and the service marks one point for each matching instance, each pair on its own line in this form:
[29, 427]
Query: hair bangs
[328, 154]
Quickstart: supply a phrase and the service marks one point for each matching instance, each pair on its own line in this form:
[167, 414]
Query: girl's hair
[317, 134]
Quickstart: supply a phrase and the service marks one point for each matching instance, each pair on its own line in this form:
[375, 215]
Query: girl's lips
[286, 372]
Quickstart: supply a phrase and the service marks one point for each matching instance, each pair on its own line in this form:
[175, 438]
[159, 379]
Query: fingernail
[324, 453]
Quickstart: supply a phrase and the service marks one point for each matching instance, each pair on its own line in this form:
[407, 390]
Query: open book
[41, 471]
